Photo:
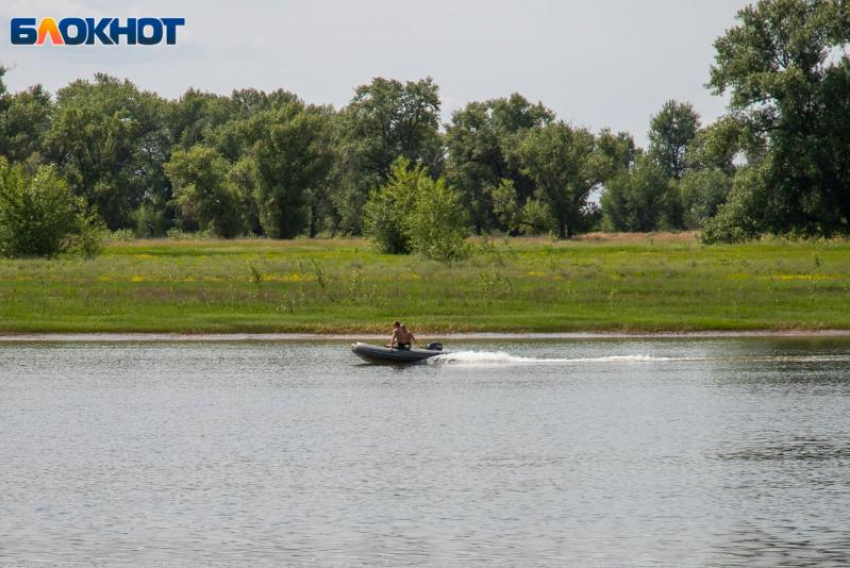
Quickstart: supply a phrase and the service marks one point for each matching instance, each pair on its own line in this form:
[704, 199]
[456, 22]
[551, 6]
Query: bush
[151, 221]
[533, 218]
[414, 213]
[437, 226]
[89, 236]
[121, 236]
[703, 192]
[739, 218]
[389, 207]
[637, 200]
[177, 234]
[38, 213]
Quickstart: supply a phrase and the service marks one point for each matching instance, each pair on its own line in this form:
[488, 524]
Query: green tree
[108, 140]
[719, 145]
[703, 192]
[789, 83]
[385, 120]
[388, 210]
[564, 165]
[24, 122]
[438, 222]
[245, 178]
[413, 212]
[292, 157]
[37, 213]
[741, 216]
[482, 143]
[196, 116]
[617, 153]
[533, 218]
[671, 132]
[203, 192]
[637, 200]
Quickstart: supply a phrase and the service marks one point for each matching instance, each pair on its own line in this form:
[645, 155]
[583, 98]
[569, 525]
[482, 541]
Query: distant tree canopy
[270, 164]
[561, 161]
[787, 71]
[671, 132]
[385, 120]
[482, 143]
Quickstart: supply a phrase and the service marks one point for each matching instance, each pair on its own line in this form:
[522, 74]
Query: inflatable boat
[381, 354]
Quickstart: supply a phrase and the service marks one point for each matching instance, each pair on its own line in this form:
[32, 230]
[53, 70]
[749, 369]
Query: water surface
[672, 452]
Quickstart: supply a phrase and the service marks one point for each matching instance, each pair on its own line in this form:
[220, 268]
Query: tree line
[271, 164]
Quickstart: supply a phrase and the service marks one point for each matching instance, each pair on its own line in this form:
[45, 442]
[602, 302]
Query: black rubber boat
[385, 355]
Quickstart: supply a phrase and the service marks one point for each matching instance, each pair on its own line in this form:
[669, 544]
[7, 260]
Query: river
[585, 452]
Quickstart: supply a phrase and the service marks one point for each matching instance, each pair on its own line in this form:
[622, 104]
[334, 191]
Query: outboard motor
[435, 347]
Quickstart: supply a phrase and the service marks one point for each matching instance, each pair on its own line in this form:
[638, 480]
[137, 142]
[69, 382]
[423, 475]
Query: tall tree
[196, 115]
[24, 122]
[719, 145]
[563, 163]
[385, 120]
[203, 192]
[788, 76]
[671, 132]
[107, 138]
[482, 144]
[703, 192]
[617, 152]
[292, 157]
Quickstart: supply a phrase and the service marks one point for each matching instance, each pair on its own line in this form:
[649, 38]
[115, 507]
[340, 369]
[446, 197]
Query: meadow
[624, 283]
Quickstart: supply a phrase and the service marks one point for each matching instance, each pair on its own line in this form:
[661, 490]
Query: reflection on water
[537, 453]
[751, 545]
[806, 448]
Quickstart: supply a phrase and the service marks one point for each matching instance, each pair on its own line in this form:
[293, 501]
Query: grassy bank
[620, 283]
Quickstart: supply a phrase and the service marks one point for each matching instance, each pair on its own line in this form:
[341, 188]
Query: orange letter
[48, 27]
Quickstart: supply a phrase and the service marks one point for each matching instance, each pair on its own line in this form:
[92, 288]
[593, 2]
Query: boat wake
[502, 358]
[488, 358]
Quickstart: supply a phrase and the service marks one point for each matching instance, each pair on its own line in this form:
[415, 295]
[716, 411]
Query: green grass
[621, 283]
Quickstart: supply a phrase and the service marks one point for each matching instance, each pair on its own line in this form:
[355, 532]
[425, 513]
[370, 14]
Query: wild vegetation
[269, 164]
[596, 282]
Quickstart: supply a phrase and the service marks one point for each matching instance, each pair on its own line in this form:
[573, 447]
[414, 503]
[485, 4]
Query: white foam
[502, 358]
[488, 358]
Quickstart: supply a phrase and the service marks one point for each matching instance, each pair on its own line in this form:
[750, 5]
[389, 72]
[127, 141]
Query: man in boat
[402, 338]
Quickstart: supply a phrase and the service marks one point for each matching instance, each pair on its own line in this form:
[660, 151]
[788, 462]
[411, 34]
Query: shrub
[414, 213]
[703, 192]
[177, 234]
[88, 237]
[636, 200]
[739, 218]
[437, 225]
[37, 213]
[533, 218]
[151, 221]
[121, 236]
[388, 209]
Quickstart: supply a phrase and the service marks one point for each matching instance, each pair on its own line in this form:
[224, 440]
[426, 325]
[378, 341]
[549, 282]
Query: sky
[596, 63]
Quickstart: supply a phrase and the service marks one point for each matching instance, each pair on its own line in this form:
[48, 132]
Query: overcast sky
[596, 63]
